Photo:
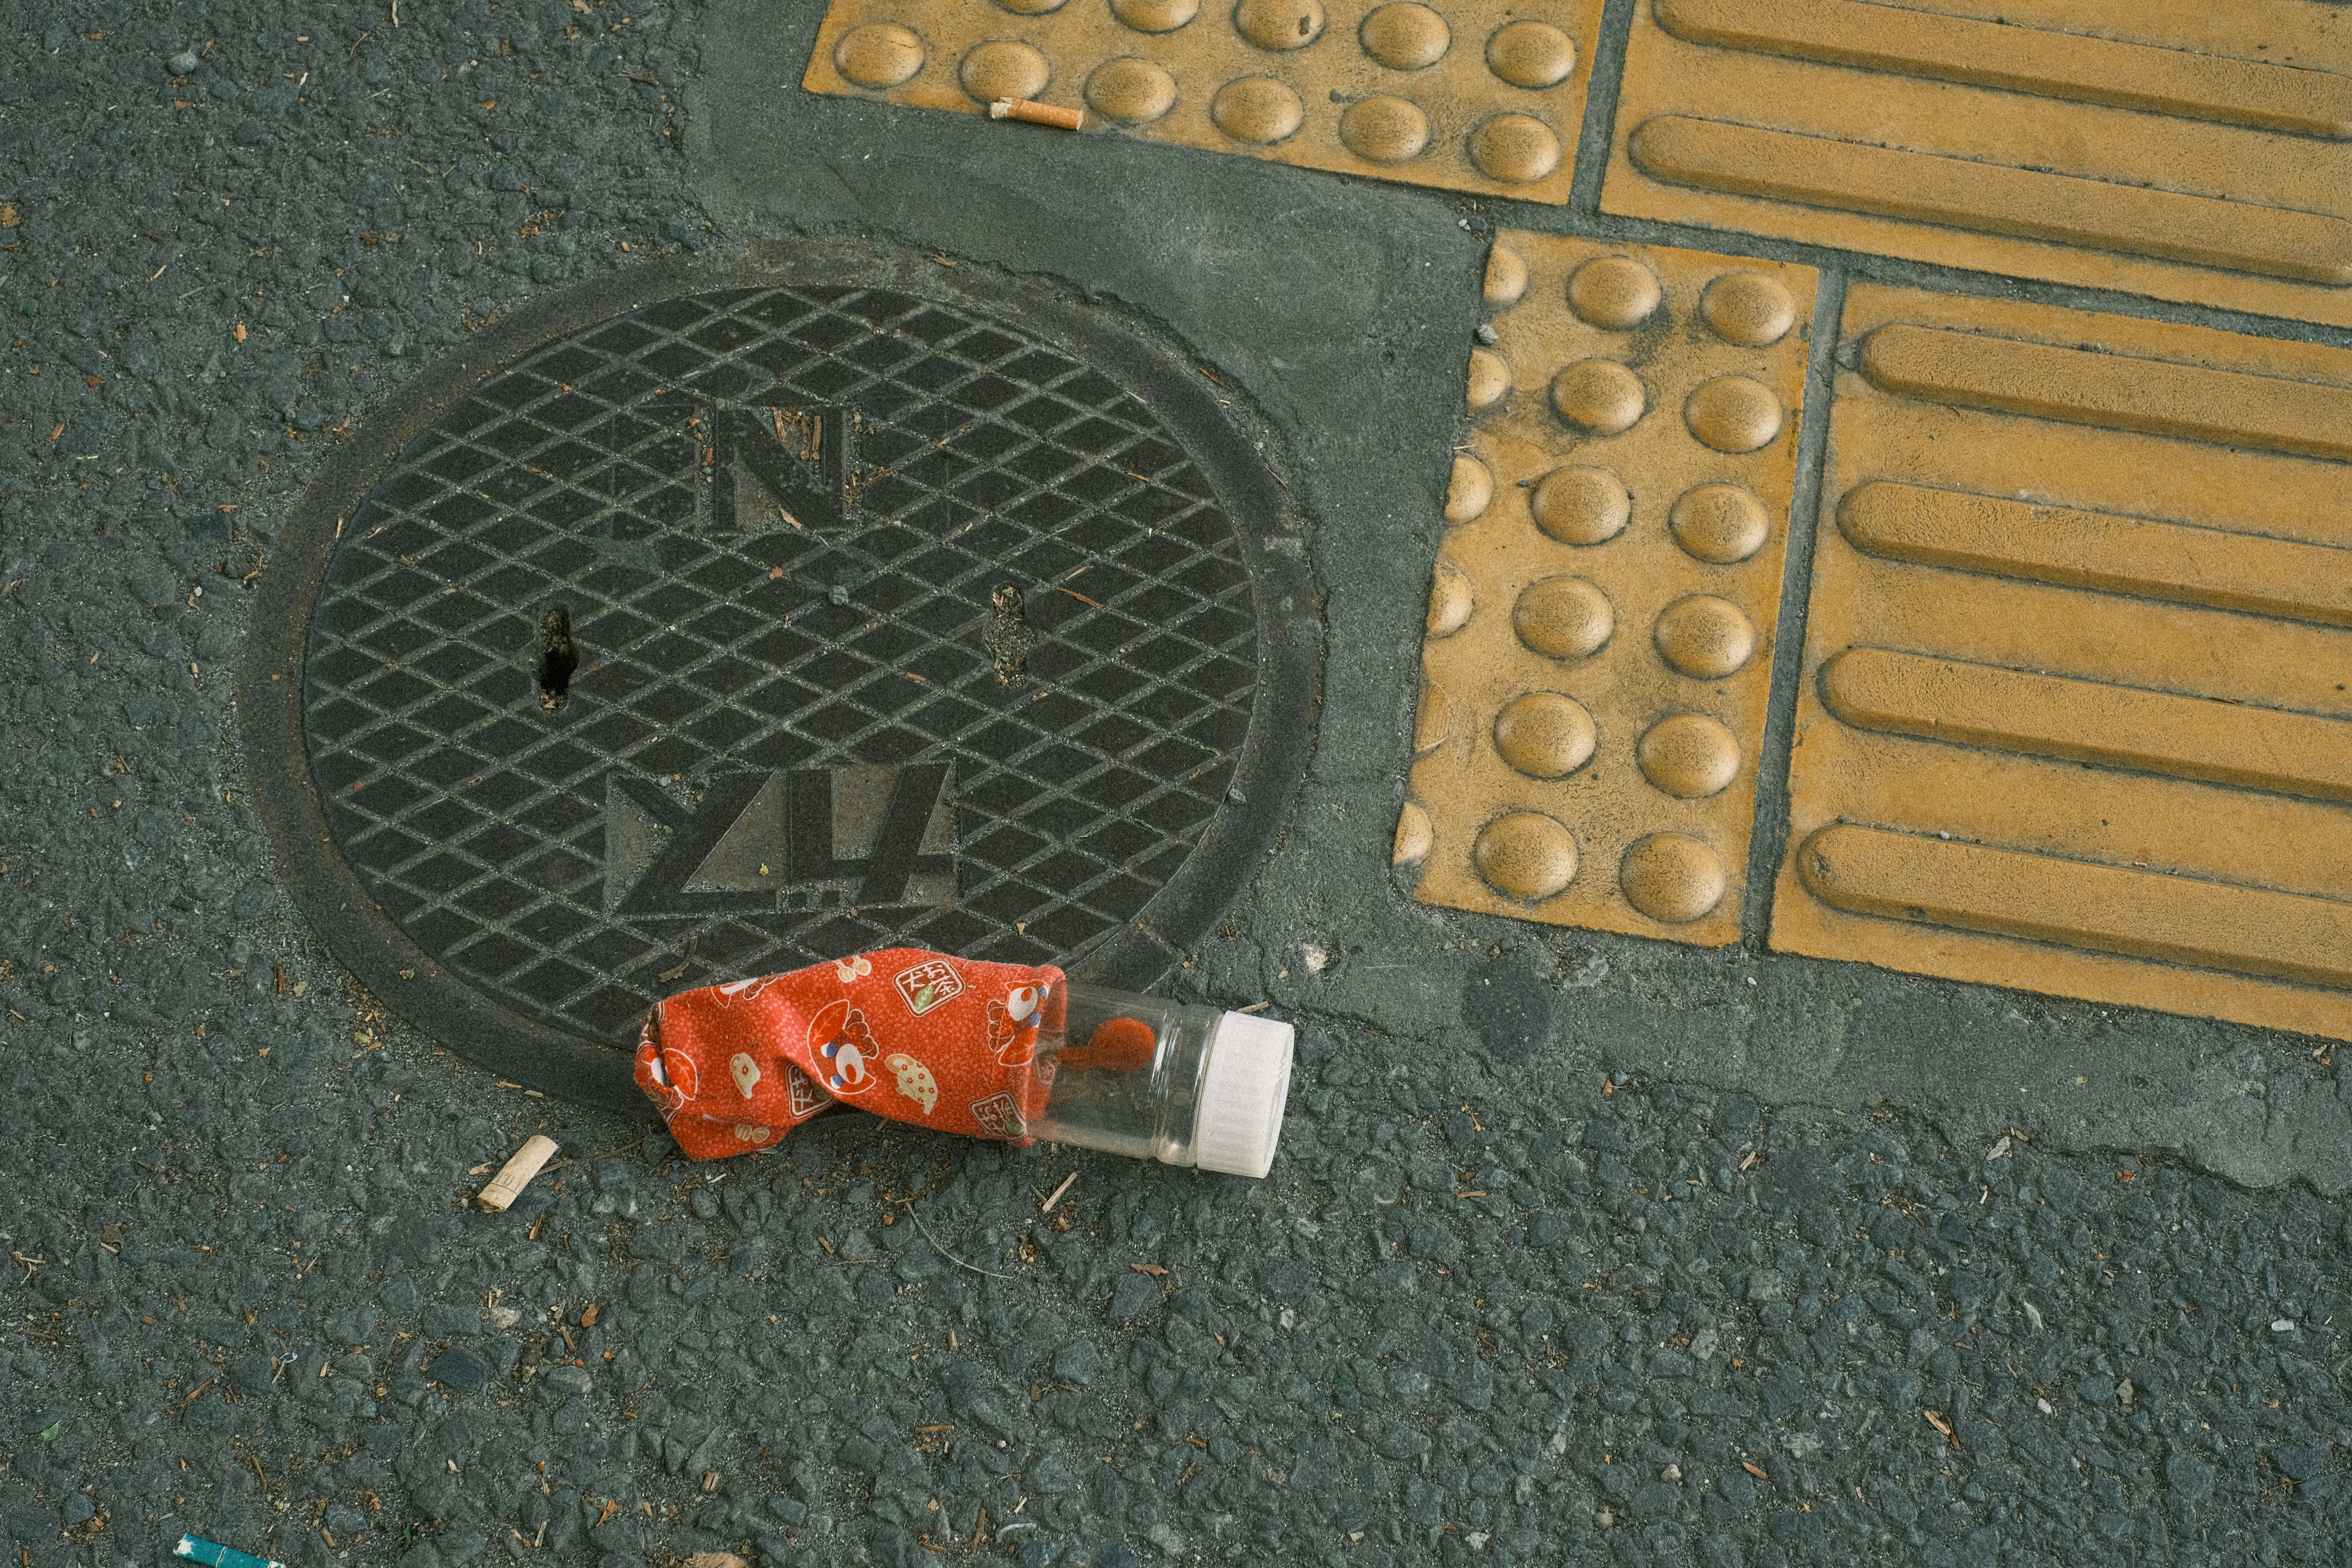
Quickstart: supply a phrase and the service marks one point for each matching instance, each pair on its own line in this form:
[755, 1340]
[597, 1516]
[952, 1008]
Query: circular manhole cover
[700, 624]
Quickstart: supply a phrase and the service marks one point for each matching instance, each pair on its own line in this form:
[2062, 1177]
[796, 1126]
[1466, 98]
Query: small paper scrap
[213, 1553]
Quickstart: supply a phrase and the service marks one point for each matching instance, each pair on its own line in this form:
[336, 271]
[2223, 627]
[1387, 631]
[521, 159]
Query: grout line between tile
[1769, 837]
[1601, 108]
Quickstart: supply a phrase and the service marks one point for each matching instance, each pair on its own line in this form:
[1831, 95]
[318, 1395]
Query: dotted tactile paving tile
[2074, 715]
[2174, 148]
[1599, 645]
[1471, 95]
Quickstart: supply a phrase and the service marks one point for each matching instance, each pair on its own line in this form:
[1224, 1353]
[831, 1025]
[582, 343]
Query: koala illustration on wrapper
[1014, 1020]
[844, 1047]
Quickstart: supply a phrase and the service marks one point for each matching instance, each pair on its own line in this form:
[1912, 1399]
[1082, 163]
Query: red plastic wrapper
[941, 1042]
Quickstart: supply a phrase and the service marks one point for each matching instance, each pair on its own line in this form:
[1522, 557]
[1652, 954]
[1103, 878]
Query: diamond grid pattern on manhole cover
[777, 520]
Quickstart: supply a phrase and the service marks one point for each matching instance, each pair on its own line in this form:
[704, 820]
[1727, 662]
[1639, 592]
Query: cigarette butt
[516, 1173]
[1037, 113]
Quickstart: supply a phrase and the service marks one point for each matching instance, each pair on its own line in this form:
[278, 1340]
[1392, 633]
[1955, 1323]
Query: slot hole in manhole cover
[705, 624]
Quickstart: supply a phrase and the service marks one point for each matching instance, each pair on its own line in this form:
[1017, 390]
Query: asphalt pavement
[1579, 1250]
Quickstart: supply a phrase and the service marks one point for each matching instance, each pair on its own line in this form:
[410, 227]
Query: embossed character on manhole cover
[704, 625]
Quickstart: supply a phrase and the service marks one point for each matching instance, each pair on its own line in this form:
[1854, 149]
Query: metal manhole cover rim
[492, 1034]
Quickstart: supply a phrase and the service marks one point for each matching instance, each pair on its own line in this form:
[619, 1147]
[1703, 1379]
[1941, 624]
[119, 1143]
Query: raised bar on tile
[2101, 551]
[2085, 386]
[2079, 903]
[2090, 721]
[1994, 198]
[2023, 60]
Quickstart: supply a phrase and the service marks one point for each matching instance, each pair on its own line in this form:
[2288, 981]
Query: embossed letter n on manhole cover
[700, 624]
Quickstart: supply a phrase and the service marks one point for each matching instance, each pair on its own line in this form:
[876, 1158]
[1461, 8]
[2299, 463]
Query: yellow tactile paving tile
[1470, 95]
[1599, 645]
[2074, 714]
[2176, 148]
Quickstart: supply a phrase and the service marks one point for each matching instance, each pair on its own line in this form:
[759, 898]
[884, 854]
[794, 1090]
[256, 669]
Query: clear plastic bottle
[1156, 1079]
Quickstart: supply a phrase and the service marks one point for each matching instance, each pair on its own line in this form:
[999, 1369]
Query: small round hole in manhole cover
[706, 624]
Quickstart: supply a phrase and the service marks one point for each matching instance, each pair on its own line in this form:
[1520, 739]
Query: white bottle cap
[1243, 1090]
